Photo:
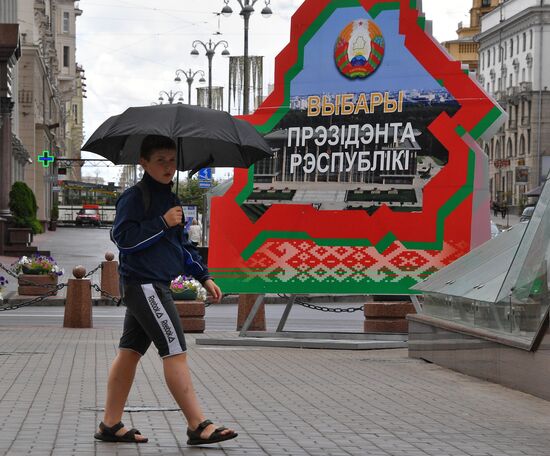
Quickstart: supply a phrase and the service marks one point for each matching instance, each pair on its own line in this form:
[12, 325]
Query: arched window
[509, 148]
[522, 145]
[497, 150]
[488, 152]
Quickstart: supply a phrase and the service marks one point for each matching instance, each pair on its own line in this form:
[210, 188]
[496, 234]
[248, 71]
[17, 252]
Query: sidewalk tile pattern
[281, 401]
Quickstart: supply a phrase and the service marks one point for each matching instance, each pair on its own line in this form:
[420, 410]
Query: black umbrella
[204, 137]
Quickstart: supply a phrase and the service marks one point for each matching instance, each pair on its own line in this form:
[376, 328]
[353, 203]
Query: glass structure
[502, 286]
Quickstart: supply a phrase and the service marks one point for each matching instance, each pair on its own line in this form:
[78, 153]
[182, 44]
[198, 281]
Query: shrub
[23, 207]
[54, 214]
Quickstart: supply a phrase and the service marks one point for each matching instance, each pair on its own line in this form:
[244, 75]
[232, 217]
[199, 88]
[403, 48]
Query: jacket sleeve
[194, 265]
[130, 232]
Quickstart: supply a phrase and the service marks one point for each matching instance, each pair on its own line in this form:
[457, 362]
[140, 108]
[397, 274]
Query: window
[517, 44]
[494, 55]
[524, 41]
[511, 48]
[522, 145]
[485, 3]
[75, 114]
[523, 75]
[66, 22]
[489, 57]
[530, 39]
[66, 56]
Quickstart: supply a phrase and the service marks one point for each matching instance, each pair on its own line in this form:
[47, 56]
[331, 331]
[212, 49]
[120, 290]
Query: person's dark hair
[152, 143]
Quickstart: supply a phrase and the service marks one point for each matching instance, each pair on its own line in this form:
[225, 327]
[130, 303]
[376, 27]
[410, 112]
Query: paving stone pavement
[282, 402]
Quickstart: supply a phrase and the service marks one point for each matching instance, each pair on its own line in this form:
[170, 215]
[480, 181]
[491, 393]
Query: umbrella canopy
[204, 137]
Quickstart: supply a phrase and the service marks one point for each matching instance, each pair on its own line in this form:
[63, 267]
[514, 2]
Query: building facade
[465, 47]
[47, 115]
[20, 156]
[514, 45]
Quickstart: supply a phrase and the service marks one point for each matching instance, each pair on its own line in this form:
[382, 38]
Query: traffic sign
[205, 174]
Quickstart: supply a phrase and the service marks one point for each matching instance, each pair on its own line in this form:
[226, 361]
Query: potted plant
[34, 273]
[3, 283]
[189, 296]
[54, 216]
[187, 289]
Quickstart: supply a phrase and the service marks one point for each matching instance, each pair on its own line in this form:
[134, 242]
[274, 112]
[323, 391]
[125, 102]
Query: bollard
[246, 301]
[109, 276]
[78, 306]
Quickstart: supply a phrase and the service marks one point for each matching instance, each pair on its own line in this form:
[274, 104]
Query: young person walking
[153, 250]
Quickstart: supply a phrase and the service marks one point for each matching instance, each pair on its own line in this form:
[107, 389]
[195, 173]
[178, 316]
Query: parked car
[88, 215]
[527, 214]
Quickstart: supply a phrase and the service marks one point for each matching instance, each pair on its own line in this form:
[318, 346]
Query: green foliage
[191, 194]
[23, 207]
[54, 213]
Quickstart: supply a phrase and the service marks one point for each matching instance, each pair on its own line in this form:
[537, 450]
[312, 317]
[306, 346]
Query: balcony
[500, 95]
[525, 87]
[512, 91]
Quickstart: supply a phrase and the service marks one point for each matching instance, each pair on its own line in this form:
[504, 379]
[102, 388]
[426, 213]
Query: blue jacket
[150, 251]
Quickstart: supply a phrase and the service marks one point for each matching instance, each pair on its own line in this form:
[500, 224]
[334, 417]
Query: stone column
[6, 106]
[9, 53]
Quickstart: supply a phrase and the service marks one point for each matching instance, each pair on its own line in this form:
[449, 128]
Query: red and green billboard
[376, 180]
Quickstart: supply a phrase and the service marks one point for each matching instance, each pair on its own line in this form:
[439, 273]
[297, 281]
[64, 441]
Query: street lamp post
[210, 49]
[171, 96]
[190, 76]
[247, 8]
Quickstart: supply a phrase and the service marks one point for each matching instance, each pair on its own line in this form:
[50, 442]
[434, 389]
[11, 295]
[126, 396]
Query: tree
[191, 194]
[23, 207]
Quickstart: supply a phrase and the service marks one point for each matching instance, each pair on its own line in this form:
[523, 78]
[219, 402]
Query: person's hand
[173, 216]
[213, 289]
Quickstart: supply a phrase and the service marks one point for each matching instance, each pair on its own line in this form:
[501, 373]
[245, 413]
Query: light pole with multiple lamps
[190, 77]
[247, 8]
[171, 96]
[210, 49]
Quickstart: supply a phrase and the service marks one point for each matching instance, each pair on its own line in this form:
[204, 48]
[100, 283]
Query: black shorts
[151, 316]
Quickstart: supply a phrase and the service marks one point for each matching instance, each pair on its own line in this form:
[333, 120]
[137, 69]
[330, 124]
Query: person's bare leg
[121, 377]
[178, 379]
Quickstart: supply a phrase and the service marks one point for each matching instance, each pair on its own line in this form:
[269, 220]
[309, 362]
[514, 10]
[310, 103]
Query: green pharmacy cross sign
[45, 158]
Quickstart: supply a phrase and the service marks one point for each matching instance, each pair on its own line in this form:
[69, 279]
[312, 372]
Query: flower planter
[20, 236]
[185, 295]
[191, 315]
[25, 289]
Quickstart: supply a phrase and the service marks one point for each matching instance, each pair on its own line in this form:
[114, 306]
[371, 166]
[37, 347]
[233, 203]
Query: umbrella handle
[178, 154]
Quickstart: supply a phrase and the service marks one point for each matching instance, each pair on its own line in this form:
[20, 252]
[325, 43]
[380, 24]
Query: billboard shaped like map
[376, 180]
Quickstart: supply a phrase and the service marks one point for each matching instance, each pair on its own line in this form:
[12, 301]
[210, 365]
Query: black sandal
[108, 434]
[216, 436]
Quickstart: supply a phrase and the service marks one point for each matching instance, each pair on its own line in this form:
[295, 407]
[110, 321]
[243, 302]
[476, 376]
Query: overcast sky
[130, 49]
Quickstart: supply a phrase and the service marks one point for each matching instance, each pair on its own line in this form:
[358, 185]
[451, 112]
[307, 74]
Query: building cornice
[524, 20]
